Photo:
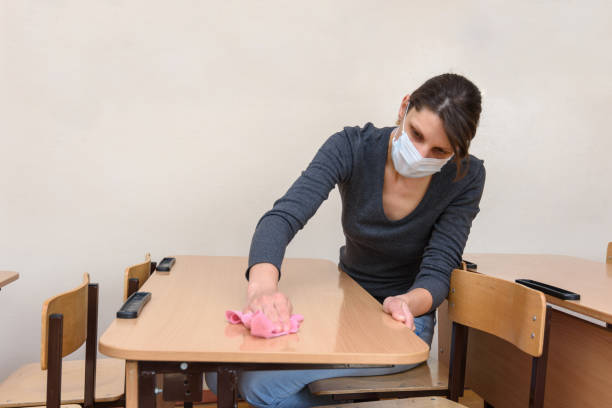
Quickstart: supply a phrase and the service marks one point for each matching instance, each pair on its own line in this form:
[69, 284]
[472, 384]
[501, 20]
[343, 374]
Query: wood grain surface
[185, 319]
[592, 280]
[73, 306]
[7, 277]
[502, 308]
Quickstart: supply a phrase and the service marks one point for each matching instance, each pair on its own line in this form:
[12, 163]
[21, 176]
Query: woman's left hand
[399, 310]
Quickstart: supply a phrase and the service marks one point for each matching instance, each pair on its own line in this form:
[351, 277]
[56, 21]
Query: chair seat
[61, 406]
[432, 376]
[27, 385]
[422, 402]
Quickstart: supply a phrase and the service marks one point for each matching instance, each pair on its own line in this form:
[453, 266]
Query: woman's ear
[403, 107]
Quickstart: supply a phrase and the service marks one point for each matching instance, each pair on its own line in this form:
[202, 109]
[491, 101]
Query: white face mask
[408, 161]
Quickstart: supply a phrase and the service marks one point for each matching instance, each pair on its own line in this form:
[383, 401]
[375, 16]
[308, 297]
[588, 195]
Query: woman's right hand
[263, 296]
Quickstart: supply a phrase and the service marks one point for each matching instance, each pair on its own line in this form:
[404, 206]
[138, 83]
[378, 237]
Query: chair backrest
[69, 320]
[502, 308]
[72, 305]
[140, 272]
[609, 253]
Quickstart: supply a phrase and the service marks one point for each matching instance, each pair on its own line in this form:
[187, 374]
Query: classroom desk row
[183, 330]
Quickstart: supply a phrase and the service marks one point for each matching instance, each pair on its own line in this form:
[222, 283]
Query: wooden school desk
[7, 277]
[184, 327]
[579, 370]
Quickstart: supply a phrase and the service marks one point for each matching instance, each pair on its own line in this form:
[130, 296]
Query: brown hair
[457, 101]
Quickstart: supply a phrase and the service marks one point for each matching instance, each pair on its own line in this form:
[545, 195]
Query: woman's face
[426, 131]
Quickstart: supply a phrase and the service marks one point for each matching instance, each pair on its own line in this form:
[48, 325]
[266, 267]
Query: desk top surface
[185, 319]
[592, 280]
[7, 277]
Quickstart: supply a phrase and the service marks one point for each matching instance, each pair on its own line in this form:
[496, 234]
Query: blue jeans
[289, 388]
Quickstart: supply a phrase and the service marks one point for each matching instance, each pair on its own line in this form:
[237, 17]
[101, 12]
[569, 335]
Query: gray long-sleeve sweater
[385, 257]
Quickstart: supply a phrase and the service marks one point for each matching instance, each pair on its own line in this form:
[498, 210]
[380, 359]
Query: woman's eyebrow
[416, 130]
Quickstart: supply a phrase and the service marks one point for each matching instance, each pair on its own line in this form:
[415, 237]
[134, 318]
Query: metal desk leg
[146, 388]
[227, 387]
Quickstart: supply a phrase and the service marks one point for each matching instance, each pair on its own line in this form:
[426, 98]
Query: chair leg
[538, 368]
[456, 374]
[91, 346]
[54, 360]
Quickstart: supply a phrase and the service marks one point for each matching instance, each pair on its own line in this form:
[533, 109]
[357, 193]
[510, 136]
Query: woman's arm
[442, 254]
[331, 165]
[448, 238]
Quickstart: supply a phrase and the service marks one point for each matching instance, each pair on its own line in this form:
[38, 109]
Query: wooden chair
[68, 321]
[504, 309]
[609, 253]
[136, 275]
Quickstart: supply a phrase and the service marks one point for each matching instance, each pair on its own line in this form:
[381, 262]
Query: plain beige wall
[170, 127]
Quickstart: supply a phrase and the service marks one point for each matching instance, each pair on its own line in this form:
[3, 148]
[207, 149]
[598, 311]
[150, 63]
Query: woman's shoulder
[367, 132]
[475, 168]
[473, 165]
[363, 137]
[471, 170]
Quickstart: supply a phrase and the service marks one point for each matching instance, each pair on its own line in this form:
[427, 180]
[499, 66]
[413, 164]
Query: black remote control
[166, 264]
[133, 305]
[549, 289]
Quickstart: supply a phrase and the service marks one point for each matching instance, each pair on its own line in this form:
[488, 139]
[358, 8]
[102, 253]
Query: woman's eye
[417, 136]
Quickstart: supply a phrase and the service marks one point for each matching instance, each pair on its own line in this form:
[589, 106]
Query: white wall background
[170, 127]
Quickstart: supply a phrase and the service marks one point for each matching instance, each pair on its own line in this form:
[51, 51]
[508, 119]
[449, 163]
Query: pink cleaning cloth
[260, 325]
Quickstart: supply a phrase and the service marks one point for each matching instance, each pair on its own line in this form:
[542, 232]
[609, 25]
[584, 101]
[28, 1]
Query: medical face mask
[408, 161]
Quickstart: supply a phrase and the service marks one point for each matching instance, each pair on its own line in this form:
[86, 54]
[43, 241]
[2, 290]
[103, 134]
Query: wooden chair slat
[73, 306]
[140, 271]
[504, 309]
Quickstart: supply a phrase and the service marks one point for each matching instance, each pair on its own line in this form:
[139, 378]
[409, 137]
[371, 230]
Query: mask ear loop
[401, 125]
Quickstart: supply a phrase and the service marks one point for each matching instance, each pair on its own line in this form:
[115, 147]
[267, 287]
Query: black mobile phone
[133, 305]
[166, 264]
[549, 289]
[470, 266]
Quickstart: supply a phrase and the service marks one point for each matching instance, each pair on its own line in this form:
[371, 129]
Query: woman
[409, 195]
